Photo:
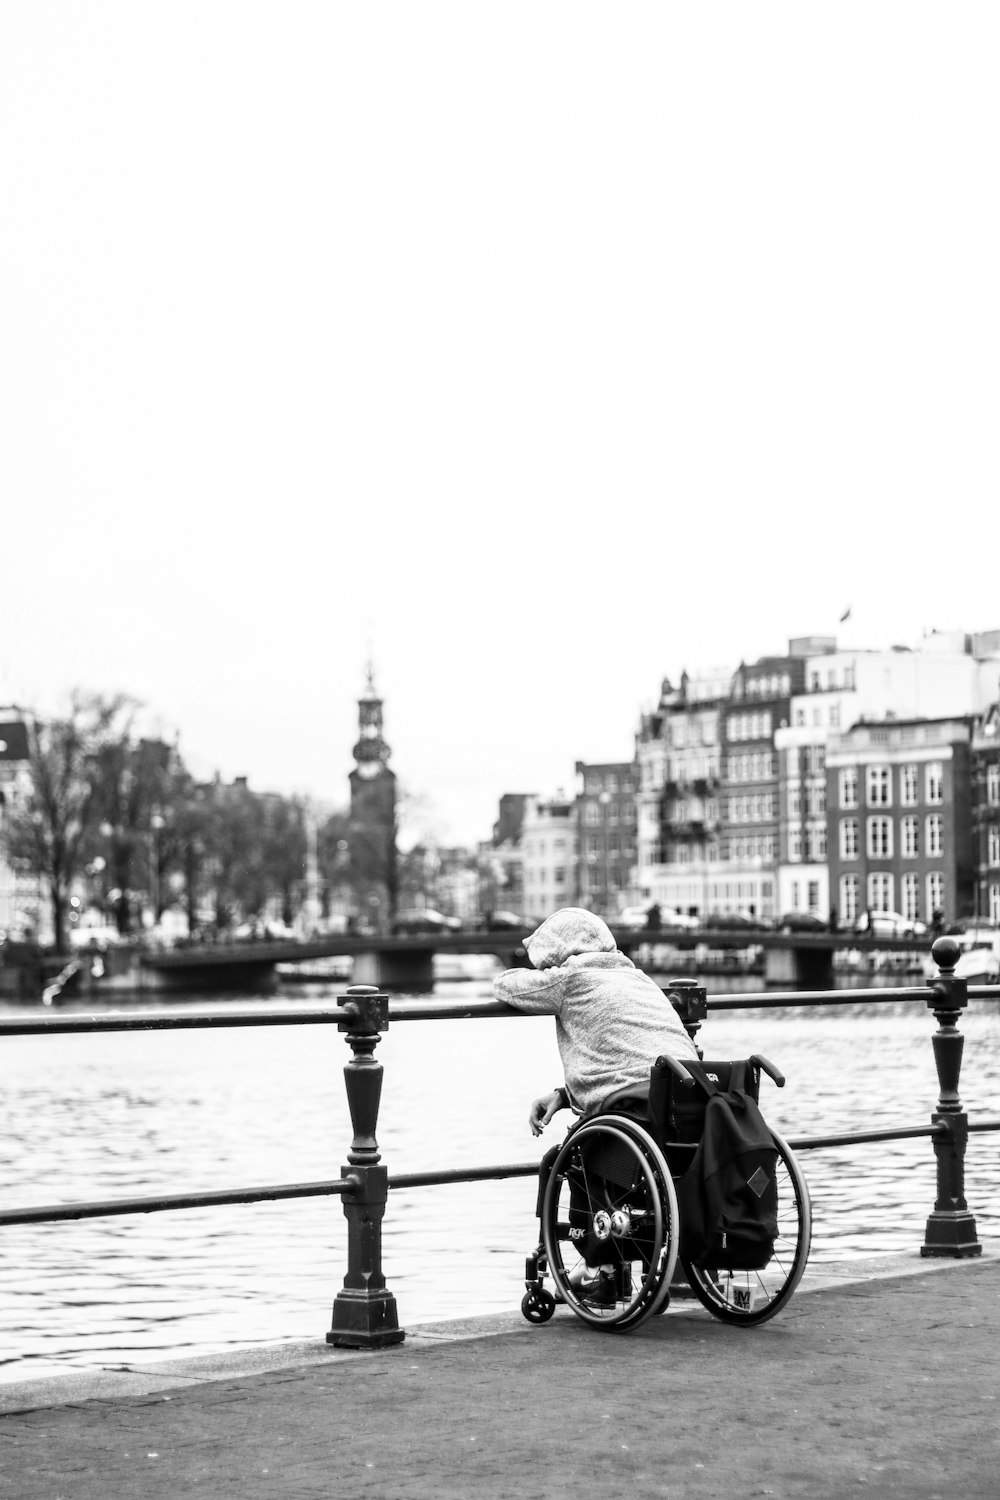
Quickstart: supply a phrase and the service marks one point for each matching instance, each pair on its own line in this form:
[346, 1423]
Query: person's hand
[542, 1110]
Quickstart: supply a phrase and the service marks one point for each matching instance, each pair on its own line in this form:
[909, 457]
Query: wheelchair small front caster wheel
[538, 1305]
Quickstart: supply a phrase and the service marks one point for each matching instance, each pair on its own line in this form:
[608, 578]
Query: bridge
[795, 959]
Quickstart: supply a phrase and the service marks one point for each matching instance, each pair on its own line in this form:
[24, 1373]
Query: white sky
[545, 348]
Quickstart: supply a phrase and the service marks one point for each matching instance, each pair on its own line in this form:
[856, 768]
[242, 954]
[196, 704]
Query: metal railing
[364, 1311]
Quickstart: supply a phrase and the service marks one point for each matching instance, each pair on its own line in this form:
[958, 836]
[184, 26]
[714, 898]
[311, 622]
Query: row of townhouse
[827, 781]
[566, 850]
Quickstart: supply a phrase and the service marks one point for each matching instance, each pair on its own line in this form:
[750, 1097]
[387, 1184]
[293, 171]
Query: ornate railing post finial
[951, 1228]
[364, 1312]
[690, 1001]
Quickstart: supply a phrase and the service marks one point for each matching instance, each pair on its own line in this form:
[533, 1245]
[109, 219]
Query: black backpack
[728, 1197]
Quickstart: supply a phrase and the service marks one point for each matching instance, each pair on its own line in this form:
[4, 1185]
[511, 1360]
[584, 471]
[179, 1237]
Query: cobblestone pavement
[885, 1387]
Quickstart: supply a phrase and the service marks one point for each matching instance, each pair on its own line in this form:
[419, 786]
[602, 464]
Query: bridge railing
[364, 1310]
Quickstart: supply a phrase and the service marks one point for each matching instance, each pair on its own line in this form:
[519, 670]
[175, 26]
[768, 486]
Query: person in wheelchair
[612, 1022]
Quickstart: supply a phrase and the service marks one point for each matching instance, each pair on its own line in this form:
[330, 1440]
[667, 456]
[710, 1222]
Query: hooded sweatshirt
[612, 1021]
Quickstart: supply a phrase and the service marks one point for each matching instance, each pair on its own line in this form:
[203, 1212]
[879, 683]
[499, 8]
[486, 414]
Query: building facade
[606, 835]
[21, 907]
[986, 814]
[900, 827]
[549, 856]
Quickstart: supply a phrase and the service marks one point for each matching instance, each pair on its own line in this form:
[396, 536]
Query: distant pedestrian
[654, 916]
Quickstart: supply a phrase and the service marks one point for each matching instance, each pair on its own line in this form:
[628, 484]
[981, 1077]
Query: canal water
[125, 1114]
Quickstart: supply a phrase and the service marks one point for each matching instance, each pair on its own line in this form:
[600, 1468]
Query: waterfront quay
[879, 1378]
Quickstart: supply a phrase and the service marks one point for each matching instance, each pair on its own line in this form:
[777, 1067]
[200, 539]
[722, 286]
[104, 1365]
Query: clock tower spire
[372, 832]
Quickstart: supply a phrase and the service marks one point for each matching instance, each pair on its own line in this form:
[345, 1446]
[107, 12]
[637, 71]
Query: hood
[567, 933]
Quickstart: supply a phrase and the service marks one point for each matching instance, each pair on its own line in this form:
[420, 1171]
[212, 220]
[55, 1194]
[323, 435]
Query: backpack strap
[700, 1076]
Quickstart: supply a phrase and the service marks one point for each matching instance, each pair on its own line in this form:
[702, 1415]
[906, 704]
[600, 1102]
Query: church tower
[372, 831]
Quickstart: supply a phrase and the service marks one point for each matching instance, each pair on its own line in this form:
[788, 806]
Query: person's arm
[543, 1109]
[536, 991]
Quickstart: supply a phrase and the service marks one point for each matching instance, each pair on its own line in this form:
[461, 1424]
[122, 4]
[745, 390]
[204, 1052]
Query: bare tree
[50, 830]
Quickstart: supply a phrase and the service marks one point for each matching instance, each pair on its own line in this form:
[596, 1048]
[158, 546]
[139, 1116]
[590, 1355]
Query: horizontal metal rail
[398, 1180]
[165, 1020]
[431, 1010]
[55, 1212]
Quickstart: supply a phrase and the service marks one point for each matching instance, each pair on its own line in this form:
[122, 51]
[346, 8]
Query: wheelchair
[609, 1200]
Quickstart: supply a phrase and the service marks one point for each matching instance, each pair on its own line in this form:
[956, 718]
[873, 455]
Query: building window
[993, 845]
[935, 892]
[934, 831]
[910, 830]
[911, 897]
[795, 843]
[993, 784]
[908, 786]
[934, 782]
[995, 903]
[817, 844]
[849, 787]
[880, 839]
[849, 887]
[848, 838]
[880, 891]
[878, 784]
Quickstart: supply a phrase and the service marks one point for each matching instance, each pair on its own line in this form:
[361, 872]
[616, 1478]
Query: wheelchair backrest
[677, 1108]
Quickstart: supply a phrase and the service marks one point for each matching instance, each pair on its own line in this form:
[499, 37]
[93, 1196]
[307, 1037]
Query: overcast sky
[540, 350]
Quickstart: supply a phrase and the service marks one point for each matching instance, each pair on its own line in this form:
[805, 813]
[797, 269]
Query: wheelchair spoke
[609, 1223]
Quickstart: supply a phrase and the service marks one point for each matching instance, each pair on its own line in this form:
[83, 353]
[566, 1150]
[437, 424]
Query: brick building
[606, 830]
[986, 814]
[899, 819]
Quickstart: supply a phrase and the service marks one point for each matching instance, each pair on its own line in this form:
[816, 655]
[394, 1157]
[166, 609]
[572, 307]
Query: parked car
[632, 916]
[410, 923]
[889, 924]
[802, 921]
[735, 921]
[507, 921]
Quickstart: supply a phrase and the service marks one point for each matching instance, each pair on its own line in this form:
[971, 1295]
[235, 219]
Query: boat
[459, 966]
[316, 970]
[979, 958]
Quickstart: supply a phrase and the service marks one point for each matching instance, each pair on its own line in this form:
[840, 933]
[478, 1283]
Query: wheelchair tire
[610, 1193]
[750, 1297]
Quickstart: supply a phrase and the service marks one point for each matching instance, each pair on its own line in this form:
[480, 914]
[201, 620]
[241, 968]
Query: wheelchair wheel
[610, 1204]
[749, 1297]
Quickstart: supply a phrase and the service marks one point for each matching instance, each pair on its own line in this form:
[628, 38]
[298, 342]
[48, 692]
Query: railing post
[364, 1312]
[690, 1001]
[951, 1228]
